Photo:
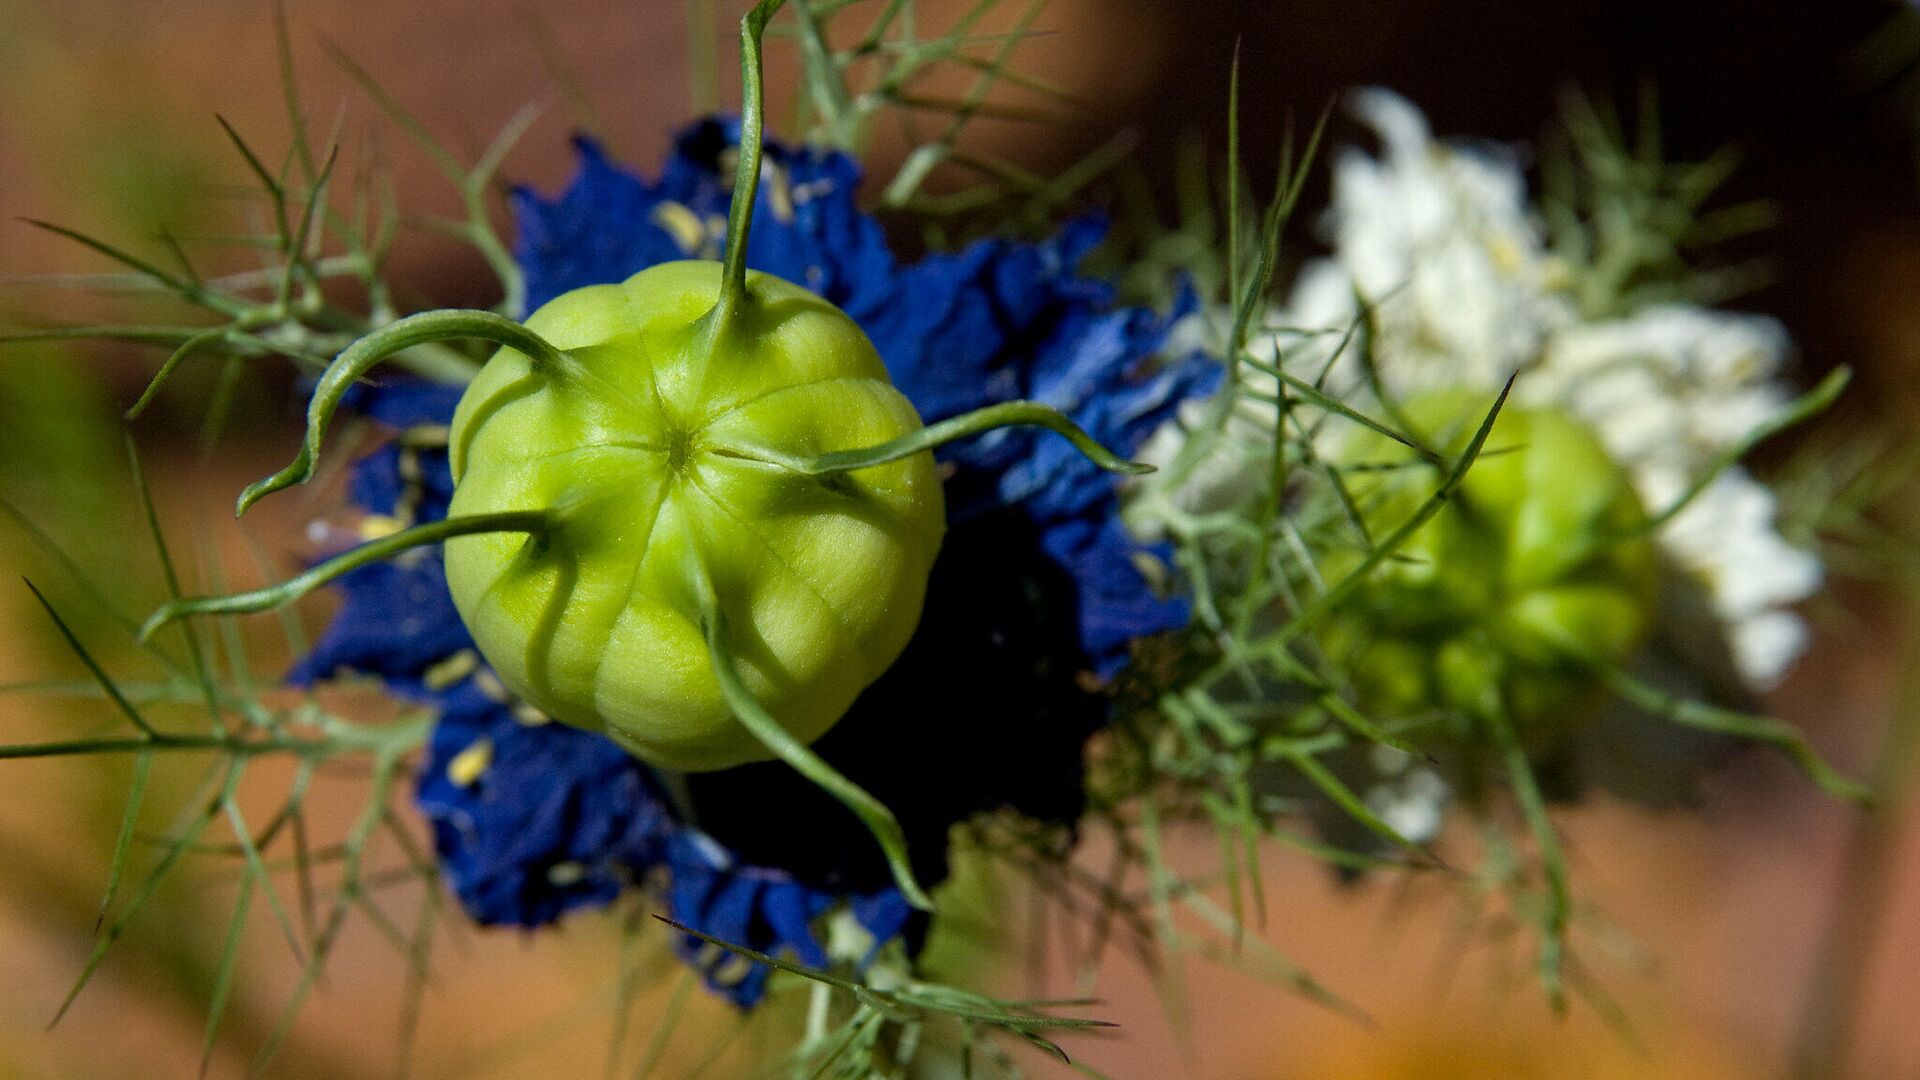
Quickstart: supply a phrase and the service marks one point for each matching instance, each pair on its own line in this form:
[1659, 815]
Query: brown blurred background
[106, 123]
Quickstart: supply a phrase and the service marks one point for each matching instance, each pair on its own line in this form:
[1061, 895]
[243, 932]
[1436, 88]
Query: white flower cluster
[1666, 389]
[1441, 241]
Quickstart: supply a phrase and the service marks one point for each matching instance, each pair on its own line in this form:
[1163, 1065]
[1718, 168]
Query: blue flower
[1037, 584]
[764, 910]
[533, 819]
[997, 321]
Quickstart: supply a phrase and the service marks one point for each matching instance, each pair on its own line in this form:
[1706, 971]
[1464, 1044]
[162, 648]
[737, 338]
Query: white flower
[1440, 238]
[1670, 385]
[1408, 796]
[1725, 538]
[1667, 389]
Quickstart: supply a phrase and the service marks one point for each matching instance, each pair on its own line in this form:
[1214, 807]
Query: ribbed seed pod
[664, 454]
[1532, 577]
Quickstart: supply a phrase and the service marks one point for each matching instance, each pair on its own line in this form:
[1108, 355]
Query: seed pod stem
[746, 177]
[979, 421]
[246, 603]
[756, 719]
[360, 357]
[1553, 860]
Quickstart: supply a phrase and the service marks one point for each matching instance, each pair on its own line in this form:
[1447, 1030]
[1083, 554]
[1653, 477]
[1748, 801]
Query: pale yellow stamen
[378, 526]
[682, 225]
[451, 670]
[470, 764]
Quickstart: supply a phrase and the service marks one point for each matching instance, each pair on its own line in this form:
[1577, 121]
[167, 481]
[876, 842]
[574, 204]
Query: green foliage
[1258, 721]
[1629, 226]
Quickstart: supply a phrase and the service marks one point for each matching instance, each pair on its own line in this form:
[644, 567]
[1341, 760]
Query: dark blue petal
[885, 914]
[395, 620]
[556, 820]
[404, 403]
[610, 224]
[790, 909]
[602, 229]
[1116, 602]
[756, 909]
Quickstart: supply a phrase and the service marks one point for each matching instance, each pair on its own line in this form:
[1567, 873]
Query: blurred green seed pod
[1534, 577]
[663, 455]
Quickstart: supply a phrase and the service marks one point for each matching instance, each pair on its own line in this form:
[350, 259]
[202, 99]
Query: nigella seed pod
[665, 456]
[1532, 579]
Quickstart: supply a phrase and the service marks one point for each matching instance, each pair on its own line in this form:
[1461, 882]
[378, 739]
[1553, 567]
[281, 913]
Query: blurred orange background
[108, 126]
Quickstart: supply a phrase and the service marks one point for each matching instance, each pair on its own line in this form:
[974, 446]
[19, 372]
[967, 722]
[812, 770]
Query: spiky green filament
[977, 422]
[1392, 542]
[754, 717]
[360, 357]
[1766, 730]
[1553, 860]
[522, 521]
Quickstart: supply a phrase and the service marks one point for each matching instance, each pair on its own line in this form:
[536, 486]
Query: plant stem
[1836, 991]
[746, 177]
[273, 596]
[362, 355]
[979, 421]
[388, 739]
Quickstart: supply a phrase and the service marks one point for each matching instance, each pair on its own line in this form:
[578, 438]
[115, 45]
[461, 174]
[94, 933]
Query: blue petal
[1116, 603]
[790, 909]
[886, 915]
[610, 224]
[556, 820]
[404, 403]
[602, 229]
[396, 620]
[755, 909]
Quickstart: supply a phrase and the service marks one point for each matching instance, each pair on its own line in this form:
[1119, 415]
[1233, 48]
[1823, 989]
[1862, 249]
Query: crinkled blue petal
[396, 620]
[1116, 603]
[610, 224]
[765, 911]
[557, 818]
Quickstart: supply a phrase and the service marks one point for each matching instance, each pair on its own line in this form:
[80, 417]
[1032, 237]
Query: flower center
[680, 444]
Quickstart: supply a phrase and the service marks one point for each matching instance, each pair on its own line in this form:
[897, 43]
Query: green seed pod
[662, 454]
[1532, 576]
